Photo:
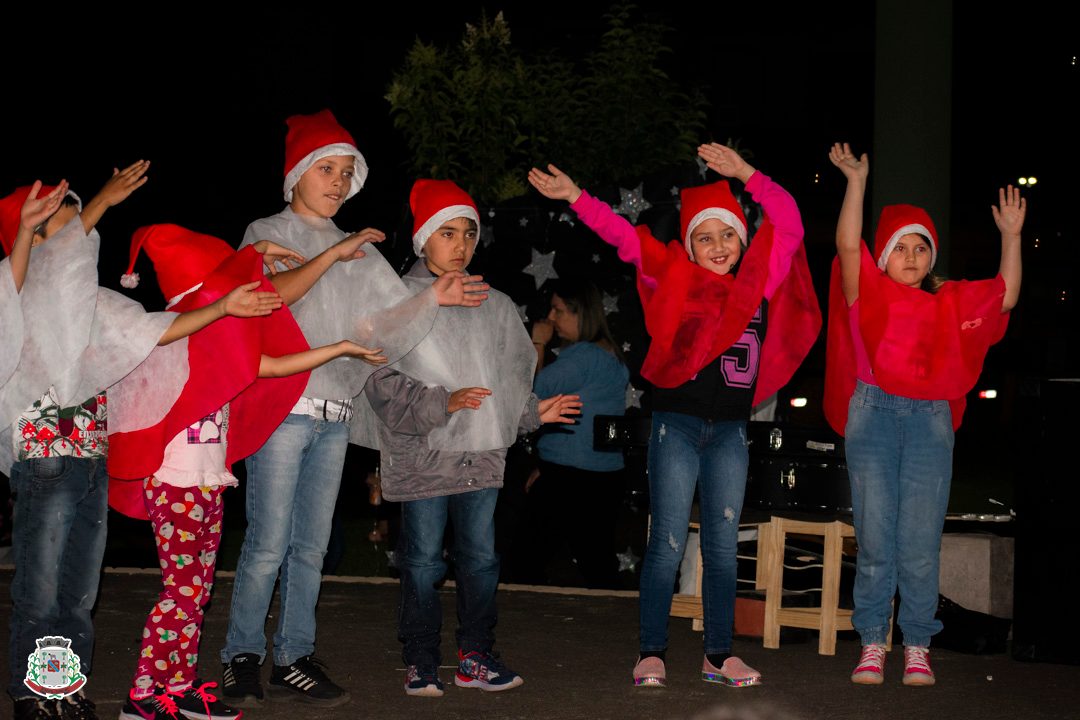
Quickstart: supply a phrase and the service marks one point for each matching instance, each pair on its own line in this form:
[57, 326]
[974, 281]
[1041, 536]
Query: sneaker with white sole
[871, 667]
[199, 703]
[650, 672]
[159, 706]
[305, 681]
[485, 671]
[423, 681]
[917, 670]
[733, 673]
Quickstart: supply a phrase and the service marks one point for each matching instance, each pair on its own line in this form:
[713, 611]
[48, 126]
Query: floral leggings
[187, 530]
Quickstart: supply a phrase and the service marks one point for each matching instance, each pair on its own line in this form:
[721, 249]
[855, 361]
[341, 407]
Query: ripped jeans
[688, 453]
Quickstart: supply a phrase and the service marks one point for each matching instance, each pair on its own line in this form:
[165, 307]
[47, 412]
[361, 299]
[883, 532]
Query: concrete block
[977, 572]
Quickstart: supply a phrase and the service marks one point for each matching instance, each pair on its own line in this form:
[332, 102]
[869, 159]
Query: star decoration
[611, 304]
[627, 560]
[567, 218]
[674, 191]
[491, 213]
[487, 235]
[626, 347]
[596, 257]
[551, 214]
[633, 396]
[633, 202]
[555, 351]
[391, 558]
[523, 313]
[702, 167]
[542, 267]
[523, 221]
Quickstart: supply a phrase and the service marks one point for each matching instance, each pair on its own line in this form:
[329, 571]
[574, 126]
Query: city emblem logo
[53, 670]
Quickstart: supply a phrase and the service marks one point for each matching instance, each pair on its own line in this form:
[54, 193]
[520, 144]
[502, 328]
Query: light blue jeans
[292, 487]
[899, 458]
[423, 524]
[688, 453]
[58, 541]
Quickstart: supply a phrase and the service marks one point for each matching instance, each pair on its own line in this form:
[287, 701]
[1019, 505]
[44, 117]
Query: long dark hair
[583, 299]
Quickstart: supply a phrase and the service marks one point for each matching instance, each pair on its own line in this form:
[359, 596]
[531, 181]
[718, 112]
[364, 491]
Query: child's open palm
[554, 184]
[36, 210]
[852, 167]
[373, 356]
[273, 254]
[124, 182]
[246, 301]
[466, 398]
[1010, 211]
[559, 408]
[724, 160]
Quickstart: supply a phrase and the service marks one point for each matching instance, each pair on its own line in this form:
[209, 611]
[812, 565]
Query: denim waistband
[876, 397]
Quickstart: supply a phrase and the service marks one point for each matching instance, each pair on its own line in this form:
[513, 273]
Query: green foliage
[481, 114]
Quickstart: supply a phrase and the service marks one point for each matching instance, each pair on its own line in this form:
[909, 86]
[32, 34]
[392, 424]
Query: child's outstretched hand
[1010, 211]
[457, 288]
[555, 186]
[36, 210]
[372, 356]
[273, 254]
[246, 301]
[724, 160]
[469, 398]
[557, 407]
[349, 248]
[852, 167]
[123, 183]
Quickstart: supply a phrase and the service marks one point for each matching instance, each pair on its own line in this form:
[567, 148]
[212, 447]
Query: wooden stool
[827, 619]
[689, 606]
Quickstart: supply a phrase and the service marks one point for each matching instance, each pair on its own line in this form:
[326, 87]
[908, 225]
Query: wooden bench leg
[830, 589]
[774, 576]
[764, 555]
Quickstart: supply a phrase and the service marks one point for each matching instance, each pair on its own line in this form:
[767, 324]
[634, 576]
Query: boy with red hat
[445, 465]
[77, 340]
[239, 379]
[730, 321]
[294, 478]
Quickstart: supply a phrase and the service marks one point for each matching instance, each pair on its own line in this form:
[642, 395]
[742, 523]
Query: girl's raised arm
[1009, 216]
[849, 226]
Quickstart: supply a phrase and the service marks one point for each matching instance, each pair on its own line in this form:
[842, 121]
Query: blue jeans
[688, 453]
[899, 457]
[292, 487]
[423, 524]
[61, 507]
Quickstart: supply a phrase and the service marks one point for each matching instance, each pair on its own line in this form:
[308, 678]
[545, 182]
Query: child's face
[909, 261]
[322, 190]
[57, 220]
[451, 247]
[716, 246]
[565, 321]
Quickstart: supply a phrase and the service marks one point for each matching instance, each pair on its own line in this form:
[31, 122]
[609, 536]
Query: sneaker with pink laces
[917, 670]
[733, 673]
[650, 672]
[871, 667]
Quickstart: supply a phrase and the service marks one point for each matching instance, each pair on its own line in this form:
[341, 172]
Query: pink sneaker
[733, 673]
[917, 670]
[871, 667]
[650, 672]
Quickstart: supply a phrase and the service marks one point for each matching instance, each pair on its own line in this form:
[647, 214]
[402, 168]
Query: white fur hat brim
[911, 229]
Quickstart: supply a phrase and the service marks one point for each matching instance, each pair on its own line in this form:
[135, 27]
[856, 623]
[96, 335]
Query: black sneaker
[77, 707]
[159, 706]
[35, 709]
[198, 703]
[240, 683]
[305, 681]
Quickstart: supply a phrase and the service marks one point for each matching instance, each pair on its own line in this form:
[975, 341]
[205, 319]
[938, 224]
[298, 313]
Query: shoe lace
[244, 672]
[201, 692]
[917, 659]
[872, 655]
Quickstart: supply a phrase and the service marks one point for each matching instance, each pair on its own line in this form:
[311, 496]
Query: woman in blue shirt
[578, 488]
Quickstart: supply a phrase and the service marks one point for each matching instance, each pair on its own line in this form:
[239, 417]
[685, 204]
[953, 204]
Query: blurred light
[987, 394]
[1036, 242]
[1032, 181]
[1022, 181]
[817, 176]
[798, 402]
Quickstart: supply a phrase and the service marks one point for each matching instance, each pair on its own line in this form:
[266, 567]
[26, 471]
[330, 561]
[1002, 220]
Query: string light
[798, 402]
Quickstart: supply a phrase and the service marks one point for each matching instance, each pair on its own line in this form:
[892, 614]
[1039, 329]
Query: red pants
[187, 530]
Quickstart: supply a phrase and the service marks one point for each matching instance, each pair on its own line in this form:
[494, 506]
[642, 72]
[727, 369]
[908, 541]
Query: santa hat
[896, 222]
[310, 139]
[433, 202]
[182, 258]
[11, 212]
[705, 202]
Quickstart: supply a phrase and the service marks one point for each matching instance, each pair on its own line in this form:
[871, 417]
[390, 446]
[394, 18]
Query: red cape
[925, 346]
[223, 365]
[694, 315]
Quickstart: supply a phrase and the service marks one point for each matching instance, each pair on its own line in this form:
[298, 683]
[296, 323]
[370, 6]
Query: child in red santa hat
[239, 379]
[903, 350]
[342, 291]
[708, 300]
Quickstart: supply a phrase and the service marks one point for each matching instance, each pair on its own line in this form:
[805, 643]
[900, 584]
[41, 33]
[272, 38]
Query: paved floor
[575, 651]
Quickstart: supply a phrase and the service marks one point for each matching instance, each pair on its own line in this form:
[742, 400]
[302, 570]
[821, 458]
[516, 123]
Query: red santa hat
[897, 221]
[11, 212]
[433, 202]
[182, 258]
[310, 139]
[705, 202]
